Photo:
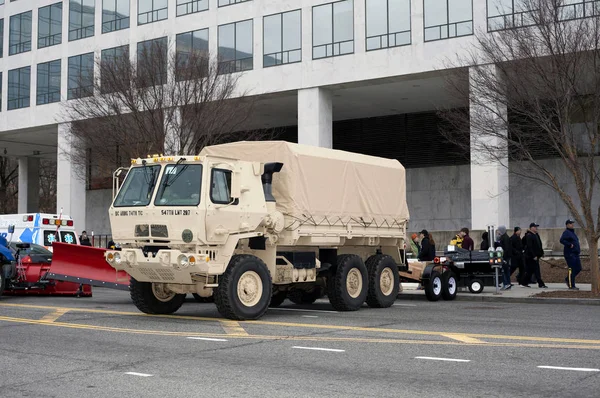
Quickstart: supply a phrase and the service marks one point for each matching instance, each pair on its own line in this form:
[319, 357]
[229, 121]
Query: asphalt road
[103, 347]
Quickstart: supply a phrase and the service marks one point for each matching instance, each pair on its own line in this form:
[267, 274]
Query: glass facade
[235, 42]
[152, 61]
[333, 29]
[48, 82]
[445, 19]
[506, 14]
[191, 43]
[19, 81]
[81, 19]
[115, 15]
[282, 38]
[152, 11]
[575, 9]
[388, 23]
[50, 25]
[19, 37]
[223, 3]
[185, 7]
[80, 76]
[1, 37]
[116, 56]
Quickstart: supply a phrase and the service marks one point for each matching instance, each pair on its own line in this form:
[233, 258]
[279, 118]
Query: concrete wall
[97, 204]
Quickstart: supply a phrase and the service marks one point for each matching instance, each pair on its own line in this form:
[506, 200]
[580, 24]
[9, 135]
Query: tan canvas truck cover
[326, 186]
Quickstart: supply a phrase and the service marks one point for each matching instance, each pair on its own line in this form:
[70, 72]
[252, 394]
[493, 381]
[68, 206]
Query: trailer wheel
[305, 296]
[277, 299]
[433, 288]
[449, 285]
[384, 281]
[152, 298]
[476, 286]
[245, 288]
[200, 299]
[347, 287]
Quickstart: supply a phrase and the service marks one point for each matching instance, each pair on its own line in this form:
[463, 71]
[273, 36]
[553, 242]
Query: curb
[492, 299]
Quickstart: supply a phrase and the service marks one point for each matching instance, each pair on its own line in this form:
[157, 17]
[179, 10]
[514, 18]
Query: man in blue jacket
[571, 243]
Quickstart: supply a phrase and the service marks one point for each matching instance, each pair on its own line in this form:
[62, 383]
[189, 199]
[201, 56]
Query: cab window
[220, 187]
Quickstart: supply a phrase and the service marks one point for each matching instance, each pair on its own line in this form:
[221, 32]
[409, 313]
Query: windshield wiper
[168, 181]
[150, 180]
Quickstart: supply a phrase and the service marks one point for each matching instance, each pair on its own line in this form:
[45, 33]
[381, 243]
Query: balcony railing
[449, 30]
[18, 103]
[192, 7]
[583, 9]
[282, 57]
[512, 20]
[80, 92]
[81, 33]
[236, 65]
[388, 40]
[19, 48]
[51, 40]
[152, 16]
[224, 3]
[333, 49]
[115, 24]
[48, 98]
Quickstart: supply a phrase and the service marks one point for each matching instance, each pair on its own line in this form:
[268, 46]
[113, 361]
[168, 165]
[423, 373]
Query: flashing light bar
[47, 221]
[28, 218]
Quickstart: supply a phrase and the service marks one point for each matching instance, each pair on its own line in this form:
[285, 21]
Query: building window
[235, 47]
[576, 9]
[223, 3]
[50, 25]
[152, 62]
[19, 40]
[388, 23]
[185, 7]
[81, 76]
[152, 11]
[18, 88]
[115, 15]
[507, 14]
[48, 82]
[282, 38]
[448, 18]
[111, 60]
[0, 91]
[333, 29]
[1, 38]
[81, 19]
[192, 44]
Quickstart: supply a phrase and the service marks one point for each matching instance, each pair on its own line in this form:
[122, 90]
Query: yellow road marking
[319, 326]
[286, 338]
[233, 328]
[464, 338]
[54, 315]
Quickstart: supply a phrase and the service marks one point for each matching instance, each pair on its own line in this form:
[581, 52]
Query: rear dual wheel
[384, 281]
[347, 287]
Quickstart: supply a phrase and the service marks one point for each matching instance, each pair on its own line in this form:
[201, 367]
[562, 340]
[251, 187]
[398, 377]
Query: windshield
[180, 185]
[33, 249]
[138, 187]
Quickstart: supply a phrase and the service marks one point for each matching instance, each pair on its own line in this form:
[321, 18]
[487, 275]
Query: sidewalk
[516, 294]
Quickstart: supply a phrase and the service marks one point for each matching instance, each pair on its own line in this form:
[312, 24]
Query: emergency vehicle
[39, 228]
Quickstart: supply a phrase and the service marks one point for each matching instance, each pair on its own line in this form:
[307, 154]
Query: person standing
[533, 252]
[517, 255]
[572, 251]
[505, 244]
[485, 242]
[457, 240]
[84, 240]
[467, 242]
[414, 245]
[427, 252]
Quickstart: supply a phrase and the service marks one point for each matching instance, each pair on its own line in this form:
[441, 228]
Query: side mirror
[23, 245]
[11, 229]
[236, 184]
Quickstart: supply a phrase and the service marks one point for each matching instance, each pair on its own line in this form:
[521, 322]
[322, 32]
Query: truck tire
[277, 299]
[305, 296]
[433, 288]
[384, 281]
[200, 299]
[150, 298]
[245, 289]
[347, 287]
[449, 285]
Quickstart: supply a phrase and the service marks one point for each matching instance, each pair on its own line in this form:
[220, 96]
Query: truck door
[223, 215]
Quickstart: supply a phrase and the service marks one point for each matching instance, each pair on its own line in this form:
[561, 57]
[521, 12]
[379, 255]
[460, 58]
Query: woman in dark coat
[485, 242]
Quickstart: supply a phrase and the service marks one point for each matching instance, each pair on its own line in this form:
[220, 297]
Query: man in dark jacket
[467, 242]
[572, 250]
[517, 255]
[427, 249]
[506, 246]
[533, 252]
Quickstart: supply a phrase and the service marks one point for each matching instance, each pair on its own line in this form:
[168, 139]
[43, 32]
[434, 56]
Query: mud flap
[85, 265]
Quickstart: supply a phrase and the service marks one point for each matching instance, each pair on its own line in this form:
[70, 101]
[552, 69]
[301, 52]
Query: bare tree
[534, 93]
[47, 186]
[158, 102]
[9, 173]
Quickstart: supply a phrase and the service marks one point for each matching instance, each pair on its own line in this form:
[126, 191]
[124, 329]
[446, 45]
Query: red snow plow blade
[85, 264]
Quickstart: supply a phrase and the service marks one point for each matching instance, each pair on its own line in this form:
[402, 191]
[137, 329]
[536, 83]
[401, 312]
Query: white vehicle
[39, 228]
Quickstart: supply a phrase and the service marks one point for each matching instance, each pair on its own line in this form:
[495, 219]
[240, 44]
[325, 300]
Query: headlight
[182, 260]
[117, 258]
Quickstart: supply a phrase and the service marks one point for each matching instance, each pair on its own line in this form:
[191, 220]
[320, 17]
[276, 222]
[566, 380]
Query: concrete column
[29, 185]
[70, 180]
[489, 177]
[315, 117]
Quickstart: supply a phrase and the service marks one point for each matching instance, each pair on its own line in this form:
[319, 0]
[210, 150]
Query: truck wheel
[347, 287]
[433, 288]
[449, 285]
[305, 297]
[245, 288]
[277, 299]
[384, 281]
[476, 286]
[152, 298]
[200, 299]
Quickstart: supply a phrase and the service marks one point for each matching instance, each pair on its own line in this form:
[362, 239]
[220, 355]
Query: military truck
[254, 222]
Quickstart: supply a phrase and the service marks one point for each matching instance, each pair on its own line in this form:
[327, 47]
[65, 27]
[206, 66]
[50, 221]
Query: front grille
[142, 230]
[159, 231]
